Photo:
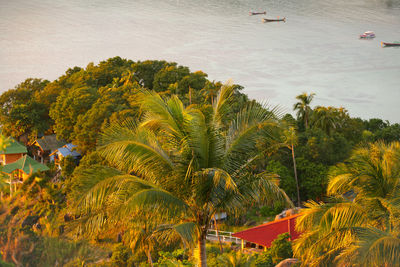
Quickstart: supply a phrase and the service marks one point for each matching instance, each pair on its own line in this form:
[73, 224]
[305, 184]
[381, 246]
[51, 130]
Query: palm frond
[223, 103]
[378, 247]
[253, 124]
[328, 217]
[98, 196]
[211, 186]
[312, 215]
[340, 184]
[198, 137]
[156, 197]
[165, 116]
[144, 159]
[85, 180]
[261, 188]
[187, 231]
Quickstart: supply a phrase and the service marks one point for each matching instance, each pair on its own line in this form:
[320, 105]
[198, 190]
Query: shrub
[278, 208]
[120, 256]
[264, 260]
[6, 264]
[177, 257]
[281, 248]
[68, 165]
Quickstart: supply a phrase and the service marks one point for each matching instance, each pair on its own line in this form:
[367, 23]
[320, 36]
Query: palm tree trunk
[306, 119]
[149, 259]
[202, 257]
[295, 176]
[219, 238]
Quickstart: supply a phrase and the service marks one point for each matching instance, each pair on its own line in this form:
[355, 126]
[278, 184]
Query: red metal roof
[266, 233]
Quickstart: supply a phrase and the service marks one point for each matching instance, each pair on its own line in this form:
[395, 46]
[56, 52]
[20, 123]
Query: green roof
[14, 147]
[26, 164]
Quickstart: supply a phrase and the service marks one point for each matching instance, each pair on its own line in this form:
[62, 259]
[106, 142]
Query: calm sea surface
[316, 50]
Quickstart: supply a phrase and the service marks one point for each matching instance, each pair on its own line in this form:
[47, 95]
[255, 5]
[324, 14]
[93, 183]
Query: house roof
[67, 150]
[49, 143]
[26, 164]
[266, 233]
[14, 147]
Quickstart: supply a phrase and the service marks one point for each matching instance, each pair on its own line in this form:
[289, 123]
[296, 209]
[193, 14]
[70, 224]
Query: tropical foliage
[360, 223]
[164, 149]
[188, 165]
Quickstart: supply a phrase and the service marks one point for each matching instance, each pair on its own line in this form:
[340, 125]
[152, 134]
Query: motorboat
[367, 35]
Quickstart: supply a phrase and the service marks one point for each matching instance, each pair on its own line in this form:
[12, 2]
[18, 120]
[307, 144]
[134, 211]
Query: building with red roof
[264, 234]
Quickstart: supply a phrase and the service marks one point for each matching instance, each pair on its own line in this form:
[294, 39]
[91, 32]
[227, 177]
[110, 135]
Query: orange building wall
[10, 158]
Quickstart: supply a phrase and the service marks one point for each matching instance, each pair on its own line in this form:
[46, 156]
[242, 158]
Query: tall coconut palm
[360, 225]
[303, 108]
[183, 162]
[290, 141]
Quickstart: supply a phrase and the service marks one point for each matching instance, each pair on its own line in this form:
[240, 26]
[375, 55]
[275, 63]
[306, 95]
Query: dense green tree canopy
[286, 178]
[328, 119]
[145, 71]
[87, 99]
[69, 106]
[317, 146]
[168, 75]
[21, 112]
[111, 102]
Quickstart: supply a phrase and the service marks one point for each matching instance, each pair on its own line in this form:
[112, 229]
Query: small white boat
[367, 35]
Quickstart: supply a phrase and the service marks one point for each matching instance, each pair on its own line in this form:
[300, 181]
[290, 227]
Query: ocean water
[316, 50]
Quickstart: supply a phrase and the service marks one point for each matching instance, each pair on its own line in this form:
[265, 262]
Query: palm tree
[184, 163]
[210, 91]
[359, 226]
[303, 107]
[128, 77]
[289, 134]
[328, 118]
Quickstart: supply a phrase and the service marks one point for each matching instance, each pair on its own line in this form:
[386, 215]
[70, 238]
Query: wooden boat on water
[257, 13]
[273, 20]
[383, 44]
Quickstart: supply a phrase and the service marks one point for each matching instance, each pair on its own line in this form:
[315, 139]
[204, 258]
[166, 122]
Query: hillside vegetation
[165, 149]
